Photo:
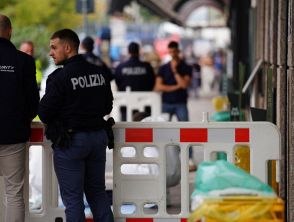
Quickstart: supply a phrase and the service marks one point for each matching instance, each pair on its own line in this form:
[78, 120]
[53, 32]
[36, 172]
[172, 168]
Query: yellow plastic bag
[239, 209]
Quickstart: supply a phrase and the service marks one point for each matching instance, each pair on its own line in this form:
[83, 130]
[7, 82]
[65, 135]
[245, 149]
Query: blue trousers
[181, 111]
[178, 109]
[80, 169]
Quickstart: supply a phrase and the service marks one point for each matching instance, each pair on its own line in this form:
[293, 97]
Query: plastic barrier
[262, 138]
[50, 210]
[135, 101]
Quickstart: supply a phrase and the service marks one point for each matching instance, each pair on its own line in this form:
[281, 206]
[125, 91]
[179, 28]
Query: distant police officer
[77, 98]
[19, 99]
[136, 74]
[88, 45]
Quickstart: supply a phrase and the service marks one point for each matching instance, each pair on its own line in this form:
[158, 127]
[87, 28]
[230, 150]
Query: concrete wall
[275, 38]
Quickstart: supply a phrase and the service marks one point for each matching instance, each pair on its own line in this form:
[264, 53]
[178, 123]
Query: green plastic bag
[224, 116]
[220, 175]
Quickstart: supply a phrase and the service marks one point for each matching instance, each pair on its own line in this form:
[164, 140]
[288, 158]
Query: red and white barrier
[262, 138]
[50, 210]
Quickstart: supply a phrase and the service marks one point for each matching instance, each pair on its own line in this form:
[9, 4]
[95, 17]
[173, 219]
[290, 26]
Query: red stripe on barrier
[184, 220]
[139, 135]
[37, 135]
[242, 135]
[139, 220]
[193, 135]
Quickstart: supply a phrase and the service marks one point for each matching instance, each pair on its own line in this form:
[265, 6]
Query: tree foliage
[53, 14]
[4, 3]
[39, 36]
[36, 20]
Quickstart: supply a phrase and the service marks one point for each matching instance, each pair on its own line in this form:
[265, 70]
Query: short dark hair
[134, 48]
[173, 45]
[88, 43]
[5, 23]
[68, 35]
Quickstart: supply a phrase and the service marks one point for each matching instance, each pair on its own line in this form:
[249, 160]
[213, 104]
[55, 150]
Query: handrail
[252, 75]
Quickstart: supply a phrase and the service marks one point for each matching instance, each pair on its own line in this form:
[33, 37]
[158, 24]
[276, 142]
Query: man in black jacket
[19, 98]
[77, 98]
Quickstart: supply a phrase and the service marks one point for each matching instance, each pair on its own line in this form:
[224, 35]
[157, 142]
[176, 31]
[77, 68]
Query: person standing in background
[173, 80]
[35, 155]
[28, 48]
[19, 98]
[87, 46]
[196, 78]
[134, 73]
[219, 68]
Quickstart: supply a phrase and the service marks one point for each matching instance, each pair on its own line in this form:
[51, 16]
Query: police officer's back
[76, 94]
[77, 98]
[136, 74]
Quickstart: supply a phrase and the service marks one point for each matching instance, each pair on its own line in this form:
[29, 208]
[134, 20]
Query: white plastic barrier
[50, 210]
[133, 100]
[263, 138]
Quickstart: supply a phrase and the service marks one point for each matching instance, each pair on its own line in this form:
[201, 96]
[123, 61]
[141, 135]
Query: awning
[176, 11]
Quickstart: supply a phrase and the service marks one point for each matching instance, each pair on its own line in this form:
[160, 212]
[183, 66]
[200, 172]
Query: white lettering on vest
[6, 68]
[134, 71]
[74, 82]
[88, 81]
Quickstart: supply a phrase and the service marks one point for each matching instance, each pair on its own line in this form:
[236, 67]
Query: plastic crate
[239, 209]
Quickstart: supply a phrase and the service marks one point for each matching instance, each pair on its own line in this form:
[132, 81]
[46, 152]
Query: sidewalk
[197, 106]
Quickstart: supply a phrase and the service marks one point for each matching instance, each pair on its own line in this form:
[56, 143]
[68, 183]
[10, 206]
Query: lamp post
[85, 16]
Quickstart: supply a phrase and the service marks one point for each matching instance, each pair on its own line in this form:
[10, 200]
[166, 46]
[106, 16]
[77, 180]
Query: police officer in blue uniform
[77, 98]
[136, 74]
[88, 45]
